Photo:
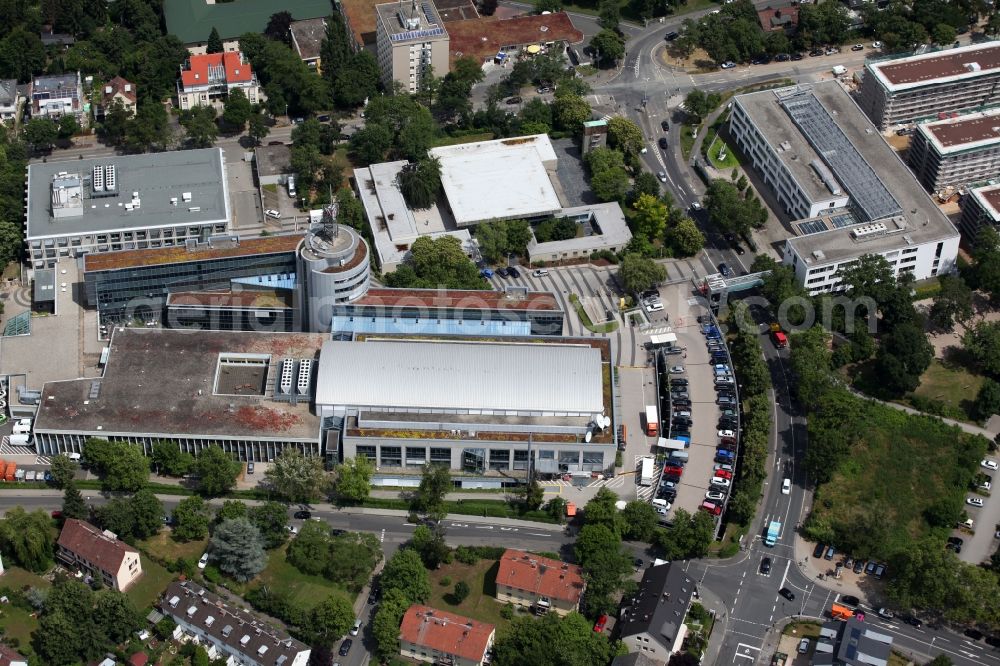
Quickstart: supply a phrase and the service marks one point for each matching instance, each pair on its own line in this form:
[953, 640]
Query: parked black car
[302, 515]
[818, 551]
[786, 593]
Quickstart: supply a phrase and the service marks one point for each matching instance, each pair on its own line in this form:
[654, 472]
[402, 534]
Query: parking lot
[977, 544]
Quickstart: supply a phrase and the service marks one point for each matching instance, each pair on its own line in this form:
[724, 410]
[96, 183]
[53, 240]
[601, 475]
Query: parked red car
[724, 474]
[711, 507]
[601, 622]
[671, 469]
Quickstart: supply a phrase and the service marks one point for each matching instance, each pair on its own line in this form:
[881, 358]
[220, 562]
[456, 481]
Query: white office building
[831, 170]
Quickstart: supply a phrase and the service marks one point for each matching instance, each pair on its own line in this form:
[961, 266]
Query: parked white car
[270, 212]
[727, 433]
[989, 464]
[974, 501]
[203, 562]
[719, 481]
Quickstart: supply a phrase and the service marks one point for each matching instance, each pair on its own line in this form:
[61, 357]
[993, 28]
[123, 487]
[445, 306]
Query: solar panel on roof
[869, 195]
[843, 220]
[812, 227]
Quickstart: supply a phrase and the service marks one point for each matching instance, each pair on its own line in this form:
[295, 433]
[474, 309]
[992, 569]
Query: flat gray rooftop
[157, 177]
[559, 379]
[923, 221]
[162, 382]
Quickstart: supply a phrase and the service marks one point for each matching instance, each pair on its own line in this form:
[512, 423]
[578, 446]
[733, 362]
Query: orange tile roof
[86, 541]
[236, 70]
[481, 38]
[446, 632]
[106, 261]
[778, 18]
[541, 576]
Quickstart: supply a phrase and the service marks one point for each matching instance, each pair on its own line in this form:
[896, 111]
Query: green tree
[943, 34]
[870, 276]
[430, 545]
[650, 218]
[461, 592]
[126, 470]
[351, 559]
[534, 495]
[191, 518]
[552, 640]
[358, 81]
[542, 6]
[953, 303]
[370, 143]
[149, 129]
[216, 470]
[689, 536]
[350, 212]
[698, 104]
[22, 54]
[199, 123]
[645, 183]
[330, 619]
[114, 125]
[147, 510]
[982, 342]
[354, 479]
[271, 518]
[420, 183]
[385, 625]
[236, 109]
[169, 459]
[238, 549]
[230, 510]
[279, 26]
[26, 539]
[56, 639]
[68, 126]
[405, 572]
[729, 210]
[436, 263]
[41, 133]
[609, 46]
[609, 14]
[63, 470]
[602, 510]
[214, 42]
[116, 616]
[638, 273]
[640, 520]
[610, 185]
[606, 566]
[73, 505]
[309, 550]
[570, 112]
[903, 356]
[257, 127]
[987, 400]
[685, 237]
[296, 477]
[435, 483]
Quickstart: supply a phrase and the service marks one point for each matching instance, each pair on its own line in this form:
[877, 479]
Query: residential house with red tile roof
[116, 89]
[539, 583]
[207, 80]
[85, 547]
[439, 637]
[8, 657]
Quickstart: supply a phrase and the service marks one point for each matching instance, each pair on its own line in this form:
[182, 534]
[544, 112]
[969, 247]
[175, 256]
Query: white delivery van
[19, 440]
[22, 426]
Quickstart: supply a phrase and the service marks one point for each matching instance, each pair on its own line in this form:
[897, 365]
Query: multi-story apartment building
[811, 141]
[124, 203]
[85, 547]
[439, 637]
[226, 631]
[904, 90]
[10, 100]
[539, 583]
[980, 207]
[207, 79]
[956, 151]
[652, 621]
[56, 96]
[410, 38]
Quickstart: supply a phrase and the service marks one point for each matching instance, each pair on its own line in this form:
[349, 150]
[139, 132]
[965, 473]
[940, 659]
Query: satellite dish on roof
[607, 421]
[588, 436]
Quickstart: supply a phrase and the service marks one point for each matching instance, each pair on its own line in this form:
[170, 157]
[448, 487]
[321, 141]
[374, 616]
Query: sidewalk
[714, 603]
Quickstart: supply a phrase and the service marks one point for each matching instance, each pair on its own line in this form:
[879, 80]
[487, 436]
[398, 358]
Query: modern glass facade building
[128, 285]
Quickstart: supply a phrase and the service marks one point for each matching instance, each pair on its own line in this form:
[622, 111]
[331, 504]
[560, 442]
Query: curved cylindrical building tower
[333, 268]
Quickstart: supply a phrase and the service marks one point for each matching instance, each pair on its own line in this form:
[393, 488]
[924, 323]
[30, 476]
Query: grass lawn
[687, 140]
[481, 604]
[896, 659]
[719, 148]
[17, 623]
[589, 325]
[879, 493]
[150, 587]
[163, 546]
[802, 629]
[17, 578]
[951, 384]
[304, 590]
